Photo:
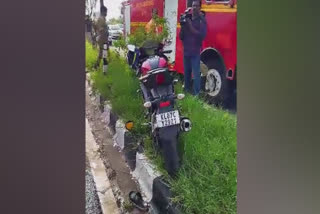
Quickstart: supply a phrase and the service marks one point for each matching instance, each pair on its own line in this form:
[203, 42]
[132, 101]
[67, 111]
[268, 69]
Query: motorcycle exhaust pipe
[185, 124]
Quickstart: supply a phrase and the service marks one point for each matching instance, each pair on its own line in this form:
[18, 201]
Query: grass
[209, 164]
[91, 55]
[119, 86]
[207, 179]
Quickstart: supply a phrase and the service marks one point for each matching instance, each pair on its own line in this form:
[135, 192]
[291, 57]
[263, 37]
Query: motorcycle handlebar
[167, 51]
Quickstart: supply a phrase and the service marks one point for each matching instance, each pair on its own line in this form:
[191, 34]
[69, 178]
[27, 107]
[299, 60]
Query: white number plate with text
[168, 119]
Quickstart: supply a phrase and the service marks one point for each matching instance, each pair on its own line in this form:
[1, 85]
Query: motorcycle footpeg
[146, 124]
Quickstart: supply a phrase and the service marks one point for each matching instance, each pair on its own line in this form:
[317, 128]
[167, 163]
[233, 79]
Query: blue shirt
[192, 42]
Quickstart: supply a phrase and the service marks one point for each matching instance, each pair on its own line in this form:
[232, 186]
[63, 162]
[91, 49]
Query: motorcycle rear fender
[166, 134]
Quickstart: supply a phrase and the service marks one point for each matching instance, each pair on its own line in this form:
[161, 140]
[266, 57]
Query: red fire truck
[219, 50]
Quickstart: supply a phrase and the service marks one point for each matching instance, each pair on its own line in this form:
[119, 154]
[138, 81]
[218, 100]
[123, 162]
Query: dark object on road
[137, 201]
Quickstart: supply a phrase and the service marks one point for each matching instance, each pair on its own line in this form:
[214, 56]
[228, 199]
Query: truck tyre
[214, 84]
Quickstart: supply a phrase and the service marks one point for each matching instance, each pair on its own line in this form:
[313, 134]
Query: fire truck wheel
[215, 86]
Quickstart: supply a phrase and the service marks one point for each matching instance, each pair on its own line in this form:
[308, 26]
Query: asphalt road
[92, 200]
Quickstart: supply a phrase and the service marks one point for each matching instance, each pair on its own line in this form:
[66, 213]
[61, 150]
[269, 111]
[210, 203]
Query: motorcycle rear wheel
[169, 149]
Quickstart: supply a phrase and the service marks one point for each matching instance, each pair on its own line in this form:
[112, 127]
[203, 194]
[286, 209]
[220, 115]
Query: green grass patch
[91, 55]
[207, 179]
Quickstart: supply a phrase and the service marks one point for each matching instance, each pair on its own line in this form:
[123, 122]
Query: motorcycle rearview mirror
[129, 125]
[147, 104]
[131, 48]
[168, 42]
[180, 96]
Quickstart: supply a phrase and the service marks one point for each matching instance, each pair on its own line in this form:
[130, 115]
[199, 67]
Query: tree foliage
[90, 5]
[140, 35]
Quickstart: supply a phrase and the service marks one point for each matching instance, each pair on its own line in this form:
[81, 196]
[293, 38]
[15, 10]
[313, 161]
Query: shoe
[137, 201]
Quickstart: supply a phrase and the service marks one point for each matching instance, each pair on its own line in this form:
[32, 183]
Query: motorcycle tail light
[160, 79]
[164, 104]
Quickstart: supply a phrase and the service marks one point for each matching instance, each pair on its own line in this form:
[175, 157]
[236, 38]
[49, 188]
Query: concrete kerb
[142, 169]
[152, 188]
[119, 135]
[109, 118]
[145, 173]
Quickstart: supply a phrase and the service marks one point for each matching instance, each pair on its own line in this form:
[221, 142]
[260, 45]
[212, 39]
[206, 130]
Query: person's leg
[195, 61]
[187, 73]
[105, 58]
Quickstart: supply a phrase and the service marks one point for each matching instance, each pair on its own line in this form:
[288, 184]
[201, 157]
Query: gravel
[92, 200]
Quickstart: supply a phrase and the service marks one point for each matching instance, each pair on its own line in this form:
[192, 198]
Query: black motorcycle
[157, 86]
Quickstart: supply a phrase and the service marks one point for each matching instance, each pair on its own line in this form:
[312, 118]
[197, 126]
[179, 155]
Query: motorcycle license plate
[168, 119]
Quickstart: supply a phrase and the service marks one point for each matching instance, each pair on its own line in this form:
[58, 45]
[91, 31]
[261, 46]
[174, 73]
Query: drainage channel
[116, 169]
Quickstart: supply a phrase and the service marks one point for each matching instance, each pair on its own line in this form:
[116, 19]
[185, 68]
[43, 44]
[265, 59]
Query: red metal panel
[141, 9]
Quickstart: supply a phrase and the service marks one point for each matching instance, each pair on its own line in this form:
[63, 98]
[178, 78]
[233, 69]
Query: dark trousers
[192, 66]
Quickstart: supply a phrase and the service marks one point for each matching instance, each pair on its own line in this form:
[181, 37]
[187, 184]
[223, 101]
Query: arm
[94, 26]
[203, 28]
[201, 33]
[192, 29]
[182, 32]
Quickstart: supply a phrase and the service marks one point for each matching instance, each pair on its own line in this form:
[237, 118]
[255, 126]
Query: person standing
[192, 35]
[102, 36]
[88, 24]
